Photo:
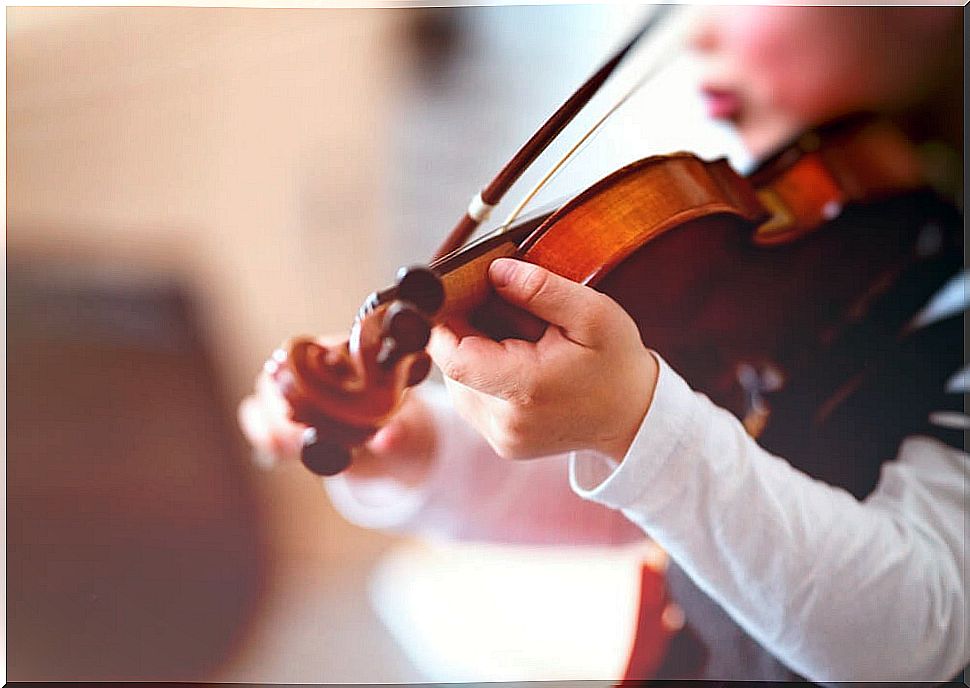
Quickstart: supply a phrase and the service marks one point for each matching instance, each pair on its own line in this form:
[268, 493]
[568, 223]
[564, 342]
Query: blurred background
[187, 187]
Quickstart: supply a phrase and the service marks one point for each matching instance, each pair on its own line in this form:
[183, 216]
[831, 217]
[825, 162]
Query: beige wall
[247, 141]
[240, 150]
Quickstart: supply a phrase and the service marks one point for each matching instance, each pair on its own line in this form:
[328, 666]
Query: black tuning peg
[405, 330]
[420, 287]
[323, 458]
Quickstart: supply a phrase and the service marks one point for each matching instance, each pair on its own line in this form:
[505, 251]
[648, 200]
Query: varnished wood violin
[661, 236]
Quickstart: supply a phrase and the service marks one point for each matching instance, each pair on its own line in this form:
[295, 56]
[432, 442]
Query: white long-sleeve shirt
[835, 588]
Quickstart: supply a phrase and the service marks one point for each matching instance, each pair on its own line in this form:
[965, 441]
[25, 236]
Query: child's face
[773, 71]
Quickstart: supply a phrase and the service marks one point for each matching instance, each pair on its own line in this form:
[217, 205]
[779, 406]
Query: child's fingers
[470, 404]
[253, 423]
[405, 433]
[403, 449]
[256, 427]
[453, 346]
[285, 436]
[501, 320]
[581, 312]
[270, 396]
[494, 368]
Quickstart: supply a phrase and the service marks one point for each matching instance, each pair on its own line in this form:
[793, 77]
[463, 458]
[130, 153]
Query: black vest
[849, 399]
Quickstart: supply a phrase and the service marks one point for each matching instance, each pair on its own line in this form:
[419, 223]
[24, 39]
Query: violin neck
[464, 273]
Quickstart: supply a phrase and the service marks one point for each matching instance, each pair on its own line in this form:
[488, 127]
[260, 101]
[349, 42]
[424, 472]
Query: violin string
[570, 154]
[554, 174]
[486, 200]
[676, 35]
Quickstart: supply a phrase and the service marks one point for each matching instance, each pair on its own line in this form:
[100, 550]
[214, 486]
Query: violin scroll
[345, 392]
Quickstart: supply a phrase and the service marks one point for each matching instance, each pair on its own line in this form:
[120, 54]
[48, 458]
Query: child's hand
[402, 450]
[586, 384]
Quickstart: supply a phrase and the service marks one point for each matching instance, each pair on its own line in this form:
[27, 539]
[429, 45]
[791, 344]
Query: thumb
[578, 310]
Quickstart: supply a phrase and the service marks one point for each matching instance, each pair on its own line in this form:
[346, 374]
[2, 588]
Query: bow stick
[482, 204]
[676, 35]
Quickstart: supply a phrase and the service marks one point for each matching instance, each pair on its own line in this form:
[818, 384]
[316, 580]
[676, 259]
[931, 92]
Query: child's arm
[429, 472]
[470, 493]
[837, 589]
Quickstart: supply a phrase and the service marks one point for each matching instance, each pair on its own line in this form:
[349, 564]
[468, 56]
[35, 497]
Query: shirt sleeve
[473, 494]
[836, 588]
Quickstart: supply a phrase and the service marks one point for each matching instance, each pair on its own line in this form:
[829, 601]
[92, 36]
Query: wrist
[635, 405]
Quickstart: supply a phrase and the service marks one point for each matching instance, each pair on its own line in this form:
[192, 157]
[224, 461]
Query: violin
[662, 236]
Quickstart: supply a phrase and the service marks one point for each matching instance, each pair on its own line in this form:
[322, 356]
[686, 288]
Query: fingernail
[501, 270]
[273, 363]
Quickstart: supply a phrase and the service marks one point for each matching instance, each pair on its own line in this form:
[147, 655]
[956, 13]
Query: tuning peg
[323, 458]
[420, 287]
[405, 330]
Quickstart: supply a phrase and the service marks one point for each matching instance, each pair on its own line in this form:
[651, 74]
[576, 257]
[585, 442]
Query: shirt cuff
[599, 478]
